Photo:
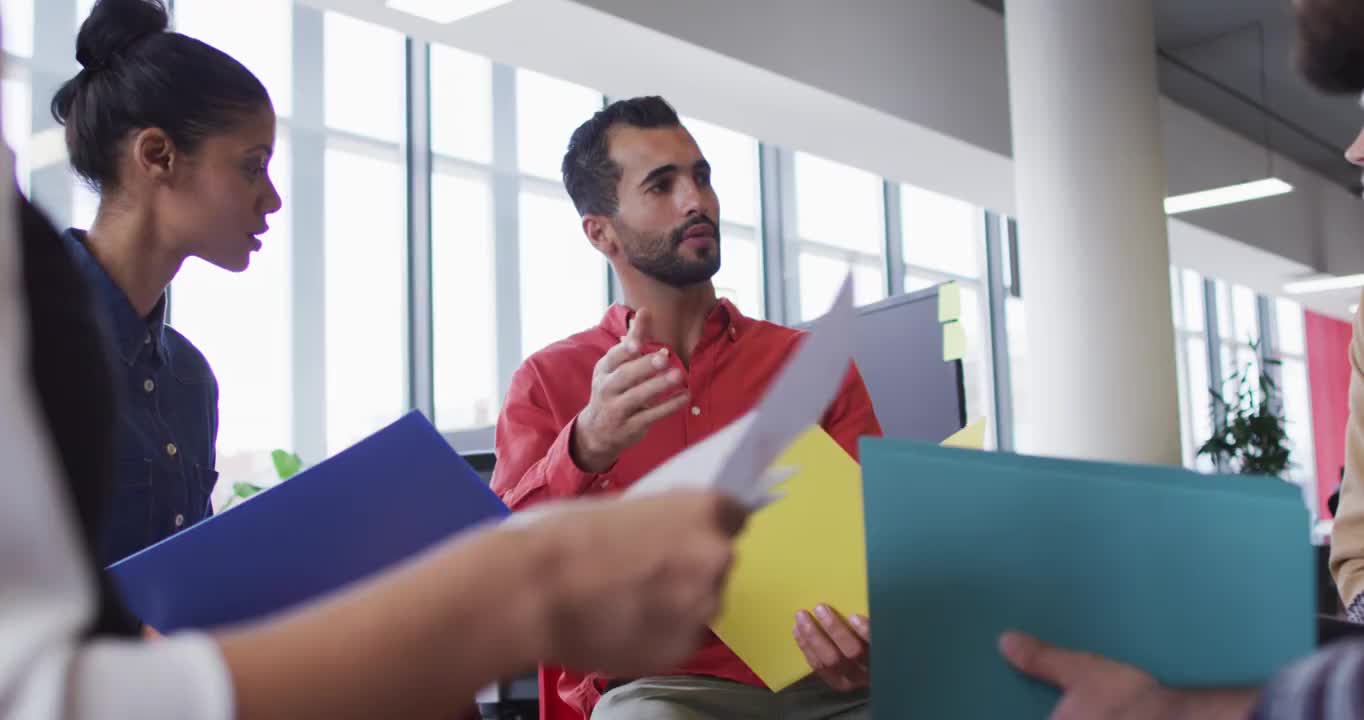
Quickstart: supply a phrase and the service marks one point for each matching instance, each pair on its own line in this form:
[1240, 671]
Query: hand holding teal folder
[1202, 581]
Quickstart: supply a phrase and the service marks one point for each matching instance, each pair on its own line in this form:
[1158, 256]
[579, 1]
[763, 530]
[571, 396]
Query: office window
[84, 204]
[734, 172]
[563, 278]
[461, 105]
[365, 68]
[1290, 336]
[366, 292]
[18, 32]
[821, 275]
[258, 33]
[840, 226]
[1238, 326]
[741, 270]
[465, 295]
[943, 241]
[1291, 348]
[941, 233]
[1191, 356]
[1016, 329]
[241, 323]
[83, 8]
[547, 112]
[733, 159]
[18, 127]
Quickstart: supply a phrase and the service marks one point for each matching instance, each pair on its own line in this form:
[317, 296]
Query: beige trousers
[704, 698]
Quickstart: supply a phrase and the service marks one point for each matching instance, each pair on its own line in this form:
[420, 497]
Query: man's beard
[660, 258]
[1330, 50]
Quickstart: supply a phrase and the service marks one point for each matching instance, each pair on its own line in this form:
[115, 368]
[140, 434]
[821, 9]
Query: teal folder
[1203, 581]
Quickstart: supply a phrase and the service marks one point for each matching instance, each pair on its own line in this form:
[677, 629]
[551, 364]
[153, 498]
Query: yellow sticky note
[971, 437]
[807, 548]
[953, 342]
[949, 302]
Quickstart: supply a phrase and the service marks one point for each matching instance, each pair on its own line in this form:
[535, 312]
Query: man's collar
[723, 317]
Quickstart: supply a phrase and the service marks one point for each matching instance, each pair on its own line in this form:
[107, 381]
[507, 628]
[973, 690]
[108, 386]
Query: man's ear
[601, 234]
[154, 154]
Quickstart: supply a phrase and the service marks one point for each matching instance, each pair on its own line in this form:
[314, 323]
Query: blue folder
[387, 498]
[1204, 581]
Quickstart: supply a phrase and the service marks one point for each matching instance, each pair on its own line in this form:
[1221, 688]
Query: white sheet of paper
[737, 458]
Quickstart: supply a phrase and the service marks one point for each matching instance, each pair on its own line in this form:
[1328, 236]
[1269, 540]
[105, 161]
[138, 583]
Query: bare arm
[419, 643]
[616, 586]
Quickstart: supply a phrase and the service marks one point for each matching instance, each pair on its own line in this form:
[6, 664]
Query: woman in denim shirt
[176, 137]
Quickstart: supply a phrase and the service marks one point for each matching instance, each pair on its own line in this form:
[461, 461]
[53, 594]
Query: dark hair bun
[114, 26]
[138, 75]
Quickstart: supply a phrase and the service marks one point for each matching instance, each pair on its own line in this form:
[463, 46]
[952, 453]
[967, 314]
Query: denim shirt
[167, 419]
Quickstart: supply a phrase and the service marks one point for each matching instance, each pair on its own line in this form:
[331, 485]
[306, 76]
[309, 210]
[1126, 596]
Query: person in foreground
[617, 586]
[1330, 684]
[592, 414]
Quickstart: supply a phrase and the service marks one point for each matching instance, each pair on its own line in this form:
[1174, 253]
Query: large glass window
[1291, 347]
[734, 172]
[840, 226]
[464, 276]
[1191, 350]
[465, 292]
[18, 127]
[548, 110]
[364, 68]
[242, 324]
[258, 33]
[942, 241]
[940, 233]
[18, 32]
[1016, 328]
[563, 278]
[461, 105]
[366, 308]
[84, 203]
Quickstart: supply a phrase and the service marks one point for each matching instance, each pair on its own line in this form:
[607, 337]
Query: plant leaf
[287, 464]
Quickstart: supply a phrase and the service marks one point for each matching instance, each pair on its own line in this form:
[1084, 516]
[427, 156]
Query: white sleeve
[47, 670]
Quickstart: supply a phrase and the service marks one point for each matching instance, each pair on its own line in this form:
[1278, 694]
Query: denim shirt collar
[131, 332]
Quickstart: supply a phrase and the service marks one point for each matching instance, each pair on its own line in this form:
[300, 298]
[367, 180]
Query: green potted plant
[1253, 440]
[286, 464]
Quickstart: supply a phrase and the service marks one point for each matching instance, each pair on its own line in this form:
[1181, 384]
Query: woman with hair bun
[176, 138]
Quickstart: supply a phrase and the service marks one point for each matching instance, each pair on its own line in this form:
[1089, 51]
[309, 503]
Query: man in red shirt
[595, 412]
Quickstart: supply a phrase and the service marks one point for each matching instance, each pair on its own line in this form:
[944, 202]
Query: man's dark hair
[590, 176]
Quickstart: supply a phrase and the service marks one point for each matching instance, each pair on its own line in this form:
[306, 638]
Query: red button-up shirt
[731, 366]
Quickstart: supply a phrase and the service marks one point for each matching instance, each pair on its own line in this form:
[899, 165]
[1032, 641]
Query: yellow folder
[807, 548]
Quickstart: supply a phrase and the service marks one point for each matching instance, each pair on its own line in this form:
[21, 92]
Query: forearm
[417, 643]
[540, 471]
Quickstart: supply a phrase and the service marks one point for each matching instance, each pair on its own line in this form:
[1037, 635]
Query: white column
[1090, 180]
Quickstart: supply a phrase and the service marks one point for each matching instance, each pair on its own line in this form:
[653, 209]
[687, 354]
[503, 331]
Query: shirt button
[147, 339]
[171, 450]
[179, 521]
[604, 484]
[696, 410]
[148, 385]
